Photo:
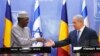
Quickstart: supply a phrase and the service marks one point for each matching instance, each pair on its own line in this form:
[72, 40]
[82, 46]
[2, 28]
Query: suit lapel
[83, 34]
[75, 38]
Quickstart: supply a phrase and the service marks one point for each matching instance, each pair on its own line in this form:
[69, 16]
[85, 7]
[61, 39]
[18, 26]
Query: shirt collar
[20, 27]
[81, 30]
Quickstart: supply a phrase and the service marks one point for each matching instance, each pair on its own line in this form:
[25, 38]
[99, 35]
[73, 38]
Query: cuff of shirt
[33, 39]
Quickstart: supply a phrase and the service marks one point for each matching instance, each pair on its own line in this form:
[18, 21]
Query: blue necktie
[78, 32]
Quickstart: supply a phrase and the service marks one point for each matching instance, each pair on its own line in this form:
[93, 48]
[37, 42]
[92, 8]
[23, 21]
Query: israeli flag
[36, 31]
[84, 13]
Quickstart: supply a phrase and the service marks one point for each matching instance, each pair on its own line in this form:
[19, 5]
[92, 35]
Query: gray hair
[79, 17]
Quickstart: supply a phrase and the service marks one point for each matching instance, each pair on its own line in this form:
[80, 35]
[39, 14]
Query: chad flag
[99, 35]
[8, 25]
[63, 34]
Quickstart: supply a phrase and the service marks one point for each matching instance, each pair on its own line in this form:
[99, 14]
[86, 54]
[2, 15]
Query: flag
[36, 32]
[8, 25]
[84, 13]
[63, 33]
[98, 54]
[99, 40]
[99, 36]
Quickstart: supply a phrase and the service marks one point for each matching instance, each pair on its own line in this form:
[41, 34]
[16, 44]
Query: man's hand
[49, 43]
[40, 39]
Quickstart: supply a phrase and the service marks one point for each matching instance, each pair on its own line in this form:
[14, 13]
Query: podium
[84, 51]
[28, 50]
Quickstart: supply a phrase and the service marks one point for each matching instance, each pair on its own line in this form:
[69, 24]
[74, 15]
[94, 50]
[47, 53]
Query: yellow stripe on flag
[7, 33]
[99, 36]
[64, 34]
[63, 31]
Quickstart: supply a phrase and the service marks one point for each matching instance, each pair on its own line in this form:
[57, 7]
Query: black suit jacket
[88, 38]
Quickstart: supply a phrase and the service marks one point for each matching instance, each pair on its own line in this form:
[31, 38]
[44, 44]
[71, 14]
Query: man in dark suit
[81, 36]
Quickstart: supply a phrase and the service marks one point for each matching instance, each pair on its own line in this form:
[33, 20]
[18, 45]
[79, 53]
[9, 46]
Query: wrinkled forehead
[75, 19]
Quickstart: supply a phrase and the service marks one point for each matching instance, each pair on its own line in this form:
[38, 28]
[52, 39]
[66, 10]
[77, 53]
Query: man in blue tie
[81, 36]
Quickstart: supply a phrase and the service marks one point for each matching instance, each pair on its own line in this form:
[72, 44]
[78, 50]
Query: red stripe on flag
[62, 52]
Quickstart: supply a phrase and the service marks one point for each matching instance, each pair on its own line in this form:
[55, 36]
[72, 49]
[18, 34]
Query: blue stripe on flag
[84, 12]
[8, 12]
[64, 13]
[37, 13]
